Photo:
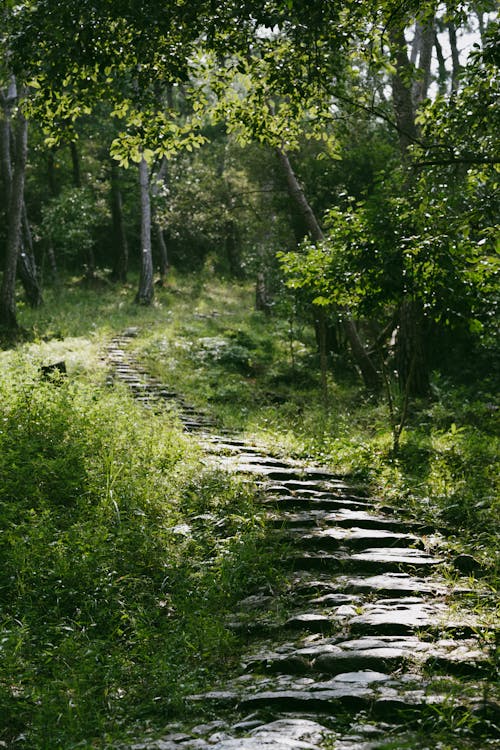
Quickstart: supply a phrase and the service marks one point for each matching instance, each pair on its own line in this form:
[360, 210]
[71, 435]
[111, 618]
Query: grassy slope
[108, 611]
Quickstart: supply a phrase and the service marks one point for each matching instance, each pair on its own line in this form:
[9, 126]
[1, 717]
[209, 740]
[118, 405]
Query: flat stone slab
[392, 584]
[370, 561]
[351, 518]
[355, 538]
[400, 616]
[284, 734]
[398, 555]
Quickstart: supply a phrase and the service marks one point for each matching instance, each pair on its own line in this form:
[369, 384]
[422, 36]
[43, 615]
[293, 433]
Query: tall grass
[113, 589]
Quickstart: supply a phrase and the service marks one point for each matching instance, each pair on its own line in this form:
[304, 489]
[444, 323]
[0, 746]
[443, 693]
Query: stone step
[379, 653]
[352, 539]
[308, 484]
[370, 561]
[384, 696]
[389, 585]
[310, 506]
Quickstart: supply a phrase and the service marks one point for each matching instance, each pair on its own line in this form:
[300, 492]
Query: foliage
[112, 593]
[71, 220]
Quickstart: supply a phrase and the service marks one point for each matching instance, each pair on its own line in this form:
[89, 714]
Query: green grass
[114, 592]
[122, 555]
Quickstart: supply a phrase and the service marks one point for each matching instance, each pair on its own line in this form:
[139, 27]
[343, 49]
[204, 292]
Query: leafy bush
[70, 221]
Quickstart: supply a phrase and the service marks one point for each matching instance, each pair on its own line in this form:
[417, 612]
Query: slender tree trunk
[162, 251]
[145, 293]
[120, 245]
[368, 371]
[442, 72]
[8, 316]
[455, 58]
[411, 360]
[5, 146]
[402, 92]
[159, 180]
[261, 295]
[415, 45]
[297, 194]
[424, 64]
[27, 265]
[480, 20]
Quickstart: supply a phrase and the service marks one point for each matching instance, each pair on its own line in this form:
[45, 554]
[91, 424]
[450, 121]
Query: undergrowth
[122, 554]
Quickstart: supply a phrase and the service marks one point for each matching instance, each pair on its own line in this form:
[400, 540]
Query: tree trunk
[90, 265]
[51, 176]
[298, 196]
[411, 359]
[261, 296]
[27, 265]
[452, 34]
[162, 251]
[145, 293]
[402, 92]
[424, 63]
[159, 180]
[120, 246]
[368, 371]
[480, 21]
[442, 72]
[8, 317]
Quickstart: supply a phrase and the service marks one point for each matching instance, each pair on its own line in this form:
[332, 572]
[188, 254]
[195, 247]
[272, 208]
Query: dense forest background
[348, 153]
[295, 202]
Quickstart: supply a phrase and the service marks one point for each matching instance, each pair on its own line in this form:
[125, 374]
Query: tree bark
[120, 246]
[145, 293]
[368, 371]
[27, 265]
[51, 177]
[452, 34]
[424, 63]
[160, 179]
[261, 296]
[8, 315]
[442, 72]
[411, 360]
[162, 251]
[402, 92]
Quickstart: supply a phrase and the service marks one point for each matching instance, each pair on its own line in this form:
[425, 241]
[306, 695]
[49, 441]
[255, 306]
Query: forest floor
[206, 554]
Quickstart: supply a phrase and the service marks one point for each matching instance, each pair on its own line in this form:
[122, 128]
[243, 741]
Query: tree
[8, 317]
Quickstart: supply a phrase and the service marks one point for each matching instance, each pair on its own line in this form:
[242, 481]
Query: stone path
[376, 638]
